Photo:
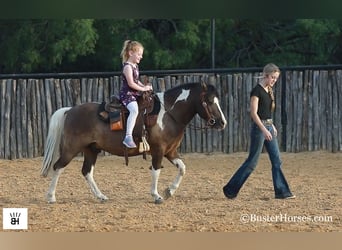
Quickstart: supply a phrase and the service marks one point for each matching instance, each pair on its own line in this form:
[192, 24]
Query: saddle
[115, 114]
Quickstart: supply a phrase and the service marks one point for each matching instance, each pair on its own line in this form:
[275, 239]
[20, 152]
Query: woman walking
[263, 132]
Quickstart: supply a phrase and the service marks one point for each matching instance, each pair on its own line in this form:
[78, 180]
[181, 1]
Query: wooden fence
[308, 115]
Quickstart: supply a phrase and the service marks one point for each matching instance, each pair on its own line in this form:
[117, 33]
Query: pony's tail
[52, 146]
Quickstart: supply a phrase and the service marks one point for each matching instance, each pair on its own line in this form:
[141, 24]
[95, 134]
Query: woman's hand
[267, 134]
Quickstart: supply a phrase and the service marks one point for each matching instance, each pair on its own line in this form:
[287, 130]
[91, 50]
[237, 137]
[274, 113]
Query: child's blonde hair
[128, 46]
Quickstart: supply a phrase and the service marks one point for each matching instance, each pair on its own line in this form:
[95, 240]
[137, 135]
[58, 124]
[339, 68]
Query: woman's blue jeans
[280, 184]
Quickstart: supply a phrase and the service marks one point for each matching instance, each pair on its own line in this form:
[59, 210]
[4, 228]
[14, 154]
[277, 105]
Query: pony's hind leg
[57, 171]
[90, 157]
[175, 184]
[51, 194]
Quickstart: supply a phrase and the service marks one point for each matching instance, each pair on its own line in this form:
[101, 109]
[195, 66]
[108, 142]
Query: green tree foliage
[321, 39]
[44, 45]
[169, 44]
[248, 43]
[94, 45]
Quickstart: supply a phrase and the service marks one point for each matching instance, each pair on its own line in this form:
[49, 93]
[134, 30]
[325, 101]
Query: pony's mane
[184, 86]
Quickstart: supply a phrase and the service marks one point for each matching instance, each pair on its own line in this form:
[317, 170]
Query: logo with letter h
[15, 218]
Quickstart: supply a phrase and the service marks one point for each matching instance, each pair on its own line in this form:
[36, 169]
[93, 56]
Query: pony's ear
[204, 86]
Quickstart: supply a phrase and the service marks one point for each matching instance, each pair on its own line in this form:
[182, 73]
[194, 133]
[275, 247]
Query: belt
[267, 122]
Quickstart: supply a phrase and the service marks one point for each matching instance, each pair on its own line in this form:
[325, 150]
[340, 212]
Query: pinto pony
[78, 129]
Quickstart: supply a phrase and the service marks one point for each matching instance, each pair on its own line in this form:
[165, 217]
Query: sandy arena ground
[198, 205]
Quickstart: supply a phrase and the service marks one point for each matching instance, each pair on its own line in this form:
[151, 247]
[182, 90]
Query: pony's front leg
[96, 191]
[154, 188]
[175, 184]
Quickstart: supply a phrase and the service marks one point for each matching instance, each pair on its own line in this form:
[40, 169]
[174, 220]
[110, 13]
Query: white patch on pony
[216, 101]
[161, 112]
[182, 97]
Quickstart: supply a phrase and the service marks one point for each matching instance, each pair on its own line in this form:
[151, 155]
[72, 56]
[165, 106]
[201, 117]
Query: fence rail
[308, 115]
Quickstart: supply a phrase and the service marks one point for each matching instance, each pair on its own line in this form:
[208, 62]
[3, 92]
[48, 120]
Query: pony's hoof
[51, 199]
[160, 200]
[167, 193]
[103, 198]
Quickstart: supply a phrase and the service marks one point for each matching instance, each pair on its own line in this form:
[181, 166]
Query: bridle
[210, 120]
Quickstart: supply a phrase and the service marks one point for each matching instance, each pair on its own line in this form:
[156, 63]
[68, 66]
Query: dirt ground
[198, 205]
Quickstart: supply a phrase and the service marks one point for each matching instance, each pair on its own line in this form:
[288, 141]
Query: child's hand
[148, 88]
